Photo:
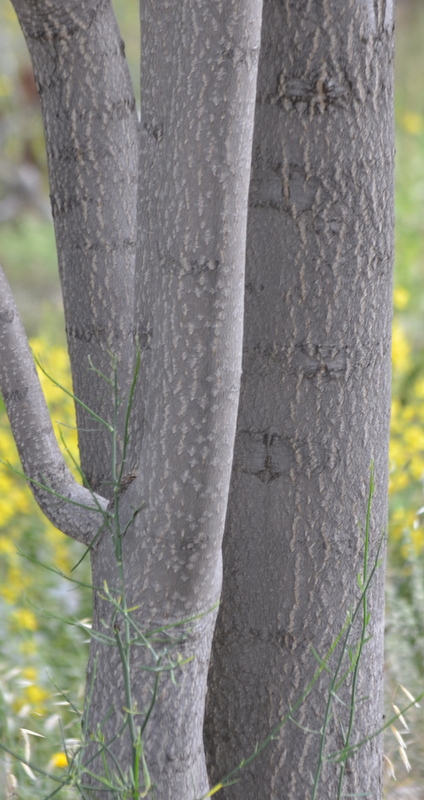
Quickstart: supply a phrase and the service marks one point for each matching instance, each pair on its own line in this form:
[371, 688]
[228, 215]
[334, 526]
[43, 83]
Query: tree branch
[91, 130]
[73, 509]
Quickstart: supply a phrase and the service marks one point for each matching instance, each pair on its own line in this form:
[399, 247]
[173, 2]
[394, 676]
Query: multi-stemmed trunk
[177, 297]
[150, 221]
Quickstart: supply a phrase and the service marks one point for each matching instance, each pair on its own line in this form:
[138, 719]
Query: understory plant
[74, 755]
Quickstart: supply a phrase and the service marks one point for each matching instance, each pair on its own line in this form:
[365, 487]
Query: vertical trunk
[314, 406]
[199, 83]
[199, 67]
[91, 133]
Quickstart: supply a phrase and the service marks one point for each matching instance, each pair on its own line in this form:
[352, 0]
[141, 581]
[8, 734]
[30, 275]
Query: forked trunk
[183, 307]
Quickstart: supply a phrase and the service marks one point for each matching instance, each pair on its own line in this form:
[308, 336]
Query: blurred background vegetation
[42, 659]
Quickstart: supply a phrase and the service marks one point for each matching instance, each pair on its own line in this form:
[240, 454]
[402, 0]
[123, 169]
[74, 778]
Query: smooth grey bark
[314, 406]
[199, 81]
[199, 68]
[34, 436]
[91, 132]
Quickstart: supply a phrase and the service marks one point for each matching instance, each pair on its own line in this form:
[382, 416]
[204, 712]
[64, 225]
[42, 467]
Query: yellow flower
[397, 482]
[400, 298]
[402, 520]
[408, 414]
[401, 350]
[10, 594]
[59, 760]
[412, 123]
[35, 695]
[7, 511]
[6, 546]
[416, 467]
[14, 584]
[419, 388]
[30, 674]
[32, 699]
[24, 618]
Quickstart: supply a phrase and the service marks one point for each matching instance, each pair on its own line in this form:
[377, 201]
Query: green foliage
[340, 665]
[39, 656]
[405, 571]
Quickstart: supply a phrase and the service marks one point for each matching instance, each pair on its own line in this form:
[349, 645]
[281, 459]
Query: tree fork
[199, 68]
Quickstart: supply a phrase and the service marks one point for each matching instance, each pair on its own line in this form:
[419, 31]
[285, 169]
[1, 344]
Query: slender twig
[335, 682]
[365, 620]
[44, 466]
[71, 394]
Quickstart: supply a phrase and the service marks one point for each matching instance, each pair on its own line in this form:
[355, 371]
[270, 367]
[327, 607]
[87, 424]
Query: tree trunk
[315, 390]
[199, 68]
[314, 406]
[196, 134]
[91, 131]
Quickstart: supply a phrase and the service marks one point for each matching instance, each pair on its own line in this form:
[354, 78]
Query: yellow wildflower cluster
[20, 517]
[407, 439]
[23, 527]
[412, 123]
[21, 521]
[34, 645]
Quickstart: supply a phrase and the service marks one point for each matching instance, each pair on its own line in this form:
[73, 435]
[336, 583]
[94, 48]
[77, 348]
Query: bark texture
[51, 480]
[315, 390]
[199, 68]
[314, 407]
[91, 131]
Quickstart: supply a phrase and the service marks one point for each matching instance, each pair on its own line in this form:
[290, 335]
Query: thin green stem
[74, 397]
[353, 747]
[128, 412]
[345, 632]
[49, 490]
[335, 683]
[228, 779]
[152, 704]
[365, 620]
